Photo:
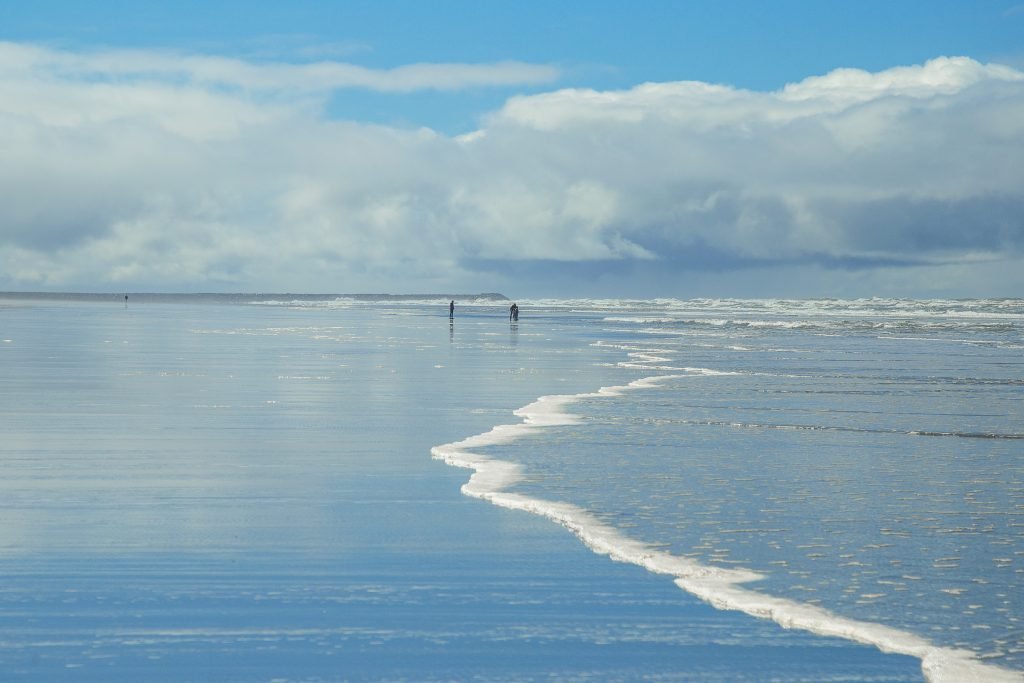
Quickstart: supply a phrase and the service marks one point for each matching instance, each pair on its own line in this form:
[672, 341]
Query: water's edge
[722, 588]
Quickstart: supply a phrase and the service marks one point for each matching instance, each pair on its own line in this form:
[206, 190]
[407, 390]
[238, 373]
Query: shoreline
[720, 588]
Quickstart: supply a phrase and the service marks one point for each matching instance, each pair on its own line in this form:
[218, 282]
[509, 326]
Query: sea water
[241, 488]
[849, 467]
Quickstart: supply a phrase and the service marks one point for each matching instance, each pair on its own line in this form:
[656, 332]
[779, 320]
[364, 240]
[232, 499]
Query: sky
[796, 148]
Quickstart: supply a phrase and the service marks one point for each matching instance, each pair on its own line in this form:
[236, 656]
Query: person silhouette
[451, 310]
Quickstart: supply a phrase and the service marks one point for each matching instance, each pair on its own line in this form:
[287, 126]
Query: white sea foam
[722, 588]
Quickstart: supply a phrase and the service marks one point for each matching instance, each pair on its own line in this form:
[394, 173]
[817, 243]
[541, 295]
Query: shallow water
[865, 457]
[217, 491]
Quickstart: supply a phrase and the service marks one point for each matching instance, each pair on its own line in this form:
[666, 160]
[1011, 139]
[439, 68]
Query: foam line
[721, 588]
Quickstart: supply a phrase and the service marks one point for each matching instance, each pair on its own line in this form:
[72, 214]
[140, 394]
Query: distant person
[451, 310]
[513, 312]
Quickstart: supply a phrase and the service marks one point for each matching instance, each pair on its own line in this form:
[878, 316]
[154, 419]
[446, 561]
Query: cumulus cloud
[153, 171]
[915, 163]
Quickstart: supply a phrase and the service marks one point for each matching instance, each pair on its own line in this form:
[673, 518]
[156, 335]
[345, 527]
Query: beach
[221, 490]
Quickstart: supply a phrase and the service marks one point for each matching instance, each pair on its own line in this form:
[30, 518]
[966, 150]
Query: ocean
[255, 488]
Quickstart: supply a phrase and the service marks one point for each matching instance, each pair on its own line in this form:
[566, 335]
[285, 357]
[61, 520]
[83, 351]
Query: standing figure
[451, 310]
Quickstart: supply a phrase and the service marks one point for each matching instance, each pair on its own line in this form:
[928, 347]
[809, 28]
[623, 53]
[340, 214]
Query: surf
[723, 588]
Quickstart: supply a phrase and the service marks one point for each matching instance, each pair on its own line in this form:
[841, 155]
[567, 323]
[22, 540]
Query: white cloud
[766, 175]
[702, 106]
[148, 170]
[141, 66]
[940, 76]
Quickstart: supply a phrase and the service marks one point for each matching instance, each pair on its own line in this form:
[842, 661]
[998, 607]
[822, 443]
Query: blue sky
[401, 146]
[596, 44]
